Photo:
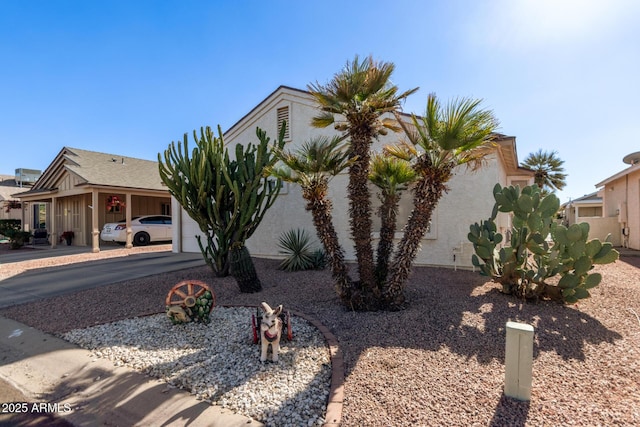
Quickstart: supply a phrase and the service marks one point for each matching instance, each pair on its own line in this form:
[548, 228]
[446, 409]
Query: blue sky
[130, 77]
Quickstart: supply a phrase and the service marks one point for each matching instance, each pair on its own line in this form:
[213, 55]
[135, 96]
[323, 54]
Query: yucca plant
[296, 245]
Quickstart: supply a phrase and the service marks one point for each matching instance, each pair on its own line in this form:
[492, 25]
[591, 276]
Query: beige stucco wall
[469, 198]
[621, 199]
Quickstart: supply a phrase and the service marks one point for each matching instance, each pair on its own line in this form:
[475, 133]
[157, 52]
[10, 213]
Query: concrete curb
[89, 392]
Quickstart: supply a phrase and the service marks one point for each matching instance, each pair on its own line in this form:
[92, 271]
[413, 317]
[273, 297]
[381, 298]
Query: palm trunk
[388, 213]
[360, 205]
[428, 192]
[321, 212]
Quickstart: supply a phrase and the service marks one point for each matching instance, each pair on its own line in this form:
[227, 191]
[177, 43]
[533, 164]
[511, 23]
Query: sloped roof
[587, 199]
[619, 175]
[99, 169]
[506, 144]
[6, 191]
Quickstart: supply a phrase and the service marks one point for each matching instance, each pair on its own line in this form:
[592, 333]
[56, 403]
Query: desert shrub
[9, 225]
[17, 238]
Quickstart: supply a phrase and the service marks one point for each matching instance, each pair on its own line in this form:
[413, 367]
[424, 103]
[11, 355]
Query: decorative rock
[218, 363]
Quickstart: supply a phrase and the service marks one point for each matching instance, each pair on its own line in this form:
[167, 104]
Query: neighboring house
[621, 202]
[469, 199]
[9, 209]
[589, 209]
[82, 190]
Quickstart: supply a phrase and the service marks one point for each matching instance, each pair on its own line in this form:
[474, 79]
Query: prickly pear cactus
[525, 264]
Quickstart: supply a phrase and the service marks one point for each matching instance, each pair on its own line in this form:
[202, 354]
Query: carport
[82, 190]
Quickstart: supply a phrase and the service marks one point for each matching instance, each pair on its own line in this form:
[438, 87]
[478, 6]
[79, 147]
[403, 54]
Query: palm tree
[311, 166]
[459, 134]
[392, 176]
[354, 102]
[548, 171]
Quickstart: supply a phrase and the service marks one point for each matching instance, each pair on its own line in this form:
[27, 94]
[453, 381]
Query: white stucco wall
[469, 198]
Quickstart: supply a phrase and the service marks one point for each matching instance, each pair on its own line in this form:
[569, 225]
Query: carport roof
[98, 169]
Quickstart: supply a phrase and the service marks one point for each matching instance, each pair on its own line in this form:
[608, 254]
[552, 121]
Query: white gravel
[219, 363]
[441, 361]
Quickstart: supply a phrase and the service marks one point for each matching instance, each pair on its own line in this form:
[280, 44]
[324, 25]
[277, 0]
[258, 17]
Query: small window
[284, 189]
[166, 209]
[283, 116]
[519, 183]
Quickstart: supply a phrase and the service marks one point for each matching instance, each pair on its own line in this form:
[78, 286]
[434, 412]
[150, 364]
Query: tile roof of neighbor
[113, 170]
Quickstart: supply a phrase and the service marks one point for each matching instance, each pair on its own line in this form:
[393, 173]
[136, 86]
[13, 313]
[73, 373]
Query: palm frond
[323, 120]
[548, 171]
[390, 174]
[401, 150]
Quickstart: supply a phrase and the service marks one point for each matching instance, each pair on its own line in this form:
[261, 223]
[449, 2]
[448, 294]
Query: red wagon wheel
[187, 292]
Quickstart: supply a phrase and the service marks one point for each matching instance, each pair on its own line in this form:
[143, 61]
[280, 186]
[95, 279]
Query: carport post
[518, 361]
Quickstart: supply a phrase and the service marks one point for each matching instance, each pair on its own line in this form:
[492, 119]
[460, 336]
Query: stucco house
[621, 202]
[589, 209]
[469, 199]
[82, 190]
[9, 209]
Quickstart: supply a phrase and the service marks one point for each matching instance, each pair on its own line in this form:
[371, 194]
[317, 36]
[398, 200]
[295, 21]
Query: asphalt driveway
[51, 281]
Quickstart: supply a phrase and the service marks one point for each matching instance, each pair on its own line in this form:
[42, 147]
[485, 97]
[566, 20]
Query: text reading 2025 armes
[34, 408]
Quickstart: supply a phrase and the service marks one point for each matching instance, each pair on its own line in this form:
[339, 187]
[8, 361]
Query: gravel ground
[441, 361]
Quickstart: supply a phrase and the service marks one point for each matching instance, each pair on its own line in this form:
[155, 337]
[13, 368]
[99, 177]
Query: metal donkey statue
[270, 331]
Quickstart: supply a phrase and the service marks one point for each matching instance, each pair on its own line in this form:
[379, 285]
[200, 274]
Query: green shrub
[18, 238]
[9, 225]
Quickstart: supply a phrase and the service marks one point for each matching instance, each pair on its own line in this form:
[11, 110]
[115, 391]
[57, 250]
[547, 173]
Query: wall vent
[283, 115]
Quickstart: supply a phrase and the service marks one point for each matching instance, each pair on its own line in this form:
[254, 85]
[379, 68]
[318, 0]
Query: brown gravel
[440, 362]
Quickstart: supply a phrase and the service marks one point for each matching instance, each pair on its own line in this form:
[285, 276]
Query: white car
[146, 229]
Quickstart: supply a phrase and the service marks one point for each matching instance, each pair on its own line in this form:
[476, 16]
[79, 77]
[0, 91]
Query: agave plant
[296, 245]
[300, 255]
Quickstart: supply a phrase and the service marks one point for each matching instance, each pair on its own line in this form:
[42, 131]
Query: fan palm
[548, 170]
[354, 102]
[311, 166]
[392, 176]
[459, 134]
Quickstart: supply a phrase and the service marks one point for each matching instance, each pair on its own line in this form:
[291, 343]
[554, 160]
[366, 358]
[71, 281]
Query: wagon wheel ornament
[187, 292]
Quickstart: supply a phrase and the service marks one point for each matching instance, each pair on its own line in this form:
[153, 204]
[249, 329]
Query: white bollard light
[518, 361]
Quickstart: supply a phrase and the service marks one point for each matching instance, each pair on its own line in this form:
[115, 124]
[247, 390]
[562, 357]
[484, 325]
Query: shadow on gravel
[510, 412]
[445, 310]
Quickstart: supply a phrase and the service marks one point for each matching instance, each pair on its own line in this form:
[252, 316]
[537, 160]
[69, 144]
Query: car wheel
[141, 239]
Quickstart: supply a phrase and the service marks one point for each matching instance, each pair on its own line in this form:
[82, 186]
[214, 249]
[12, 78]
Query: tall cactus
[525, 264]
[226, 198]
